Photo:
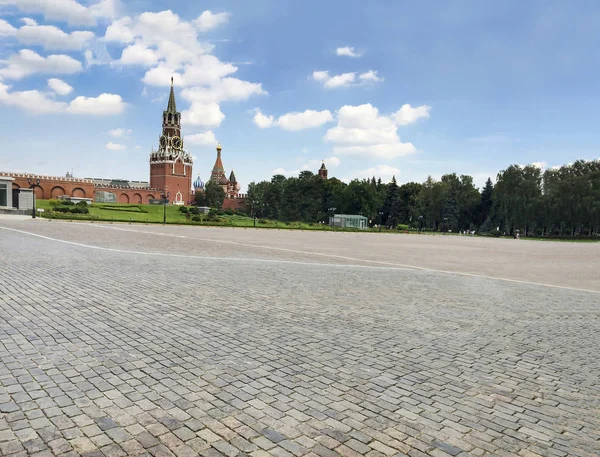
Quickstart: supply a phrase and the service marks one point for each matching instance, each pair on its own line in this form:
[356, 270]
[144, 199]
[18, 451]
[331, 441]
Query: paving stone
[296, 354]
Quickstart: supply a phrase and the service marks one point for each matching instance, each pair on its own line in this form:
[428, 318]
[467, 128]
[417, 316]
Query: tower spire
[171, 107]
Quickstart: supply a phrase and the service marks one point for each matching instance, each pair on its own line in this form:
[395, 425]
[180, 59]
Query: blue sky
[382, 87]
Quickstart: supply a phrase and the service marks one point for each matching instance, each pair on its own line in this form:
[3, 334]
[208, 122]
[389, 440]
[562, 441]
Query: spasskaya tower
[171, 165]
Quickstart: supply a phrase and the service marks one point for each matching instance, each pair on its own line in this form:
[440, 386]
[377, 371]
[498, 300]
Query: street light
[380, 220]
[446, 223]
[165, 199]
[32, 187]
[420, 224]
[254, 202]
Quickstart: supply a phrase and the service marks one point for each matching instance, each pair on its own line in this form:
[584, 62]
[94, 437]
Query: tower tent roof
[172, 107]
[218, 167]
[232, 177]
[322, 166]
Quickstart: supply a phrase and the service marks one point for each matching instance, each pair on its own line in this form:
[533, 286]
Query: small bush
[183, 209]
[402, 227]
[229, 212]
[53, 203]
[79, 210]
[211, 215]
[194, 210]
[61, 209]
[197, 219]
[82, 204]
[262, 221]
[66, 203]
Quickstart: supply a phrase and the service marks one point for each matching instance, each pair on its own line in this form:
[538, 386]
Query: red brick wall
[53, 186]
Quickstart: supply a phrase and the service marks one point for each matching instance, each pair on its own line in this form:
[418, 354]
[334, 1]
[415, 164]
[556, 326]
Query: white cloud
[28, 21]
[207, 115]
[385, 172]
[262, 121]
[294, 121]
[6, 29]
[208, 21]
[138, 54]
[115, 146]
[69, 11]
[320, 76]
[175, 41]
[345, 79]
[332, 82]
[361, 131]
[27, 62]
[540, 165]
[40, 103]
[51, 37]
[408, 115]
[305, 120]
[225, 89]
[120, 31]
[103, 105]
[370, 77]
[59, 86]
[347, 51]
[118, 133]
[203, 139]
[32, 101]
[168, 46]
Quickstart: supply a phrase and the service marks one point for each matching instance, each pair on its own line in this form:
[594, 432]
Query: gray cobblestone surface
[107, 353]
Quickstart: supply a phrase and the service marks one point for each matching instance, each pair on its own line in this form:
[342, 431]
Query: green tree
[214, 194]
[199, 198]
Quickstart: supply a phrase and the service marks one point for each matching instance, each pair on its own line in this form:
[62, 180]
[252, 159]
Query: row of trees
[563, 201]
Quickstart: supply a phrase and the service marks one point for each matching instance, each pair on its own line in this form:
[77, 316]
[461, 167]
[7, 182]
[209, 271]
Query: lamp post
[32, 187]
[446, 224]
[420, 224]
[254, 202]
[165, 199]
[380, 220]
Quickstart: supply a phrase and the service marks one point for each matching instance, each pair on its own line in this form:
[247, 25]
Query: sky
[381, 88]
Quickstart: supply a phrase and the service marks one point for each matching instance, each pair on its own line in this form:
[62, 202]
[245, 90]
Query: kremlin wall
[170, 175]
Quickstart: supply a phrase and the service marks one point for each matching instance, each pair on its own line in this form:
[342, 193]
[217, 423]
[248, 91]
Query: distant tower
[323, 171]
[218, 172]
[171, 165]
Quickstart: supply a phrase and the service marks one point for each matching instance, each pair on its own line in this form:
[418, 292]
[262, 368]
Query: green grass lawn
[117, 212]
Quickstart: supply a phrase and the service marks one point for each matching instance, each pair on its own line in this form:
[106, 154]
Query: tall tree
[214, 194]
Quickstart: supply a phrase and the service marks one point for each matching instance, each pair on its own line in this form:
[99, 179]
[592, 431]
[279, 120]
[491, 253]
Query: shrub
[183, 209]
[79, 210]
[228, 212]
[402, 227]
[82, 204]
[66, 203]
[262, 221]
[197, 219]
[53, 203]
[211, 215]
[220, 212]
[194, 210]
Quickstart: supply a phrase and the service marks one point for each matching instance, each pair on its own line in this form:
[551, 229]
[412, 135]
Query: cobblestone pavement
[110, 353]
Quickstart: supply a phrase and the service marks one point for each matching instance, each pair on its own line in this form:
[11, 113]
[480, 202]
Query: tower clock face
[163, 142]
[177, 143]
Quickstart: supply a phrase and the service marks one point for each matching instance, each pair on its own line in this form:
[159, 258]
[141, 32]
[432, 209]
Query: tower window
[170, 117]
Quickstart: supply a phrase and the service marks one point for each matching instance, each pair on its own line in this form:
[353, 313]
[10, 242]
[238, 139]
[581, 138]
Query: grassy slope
[154, 214]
